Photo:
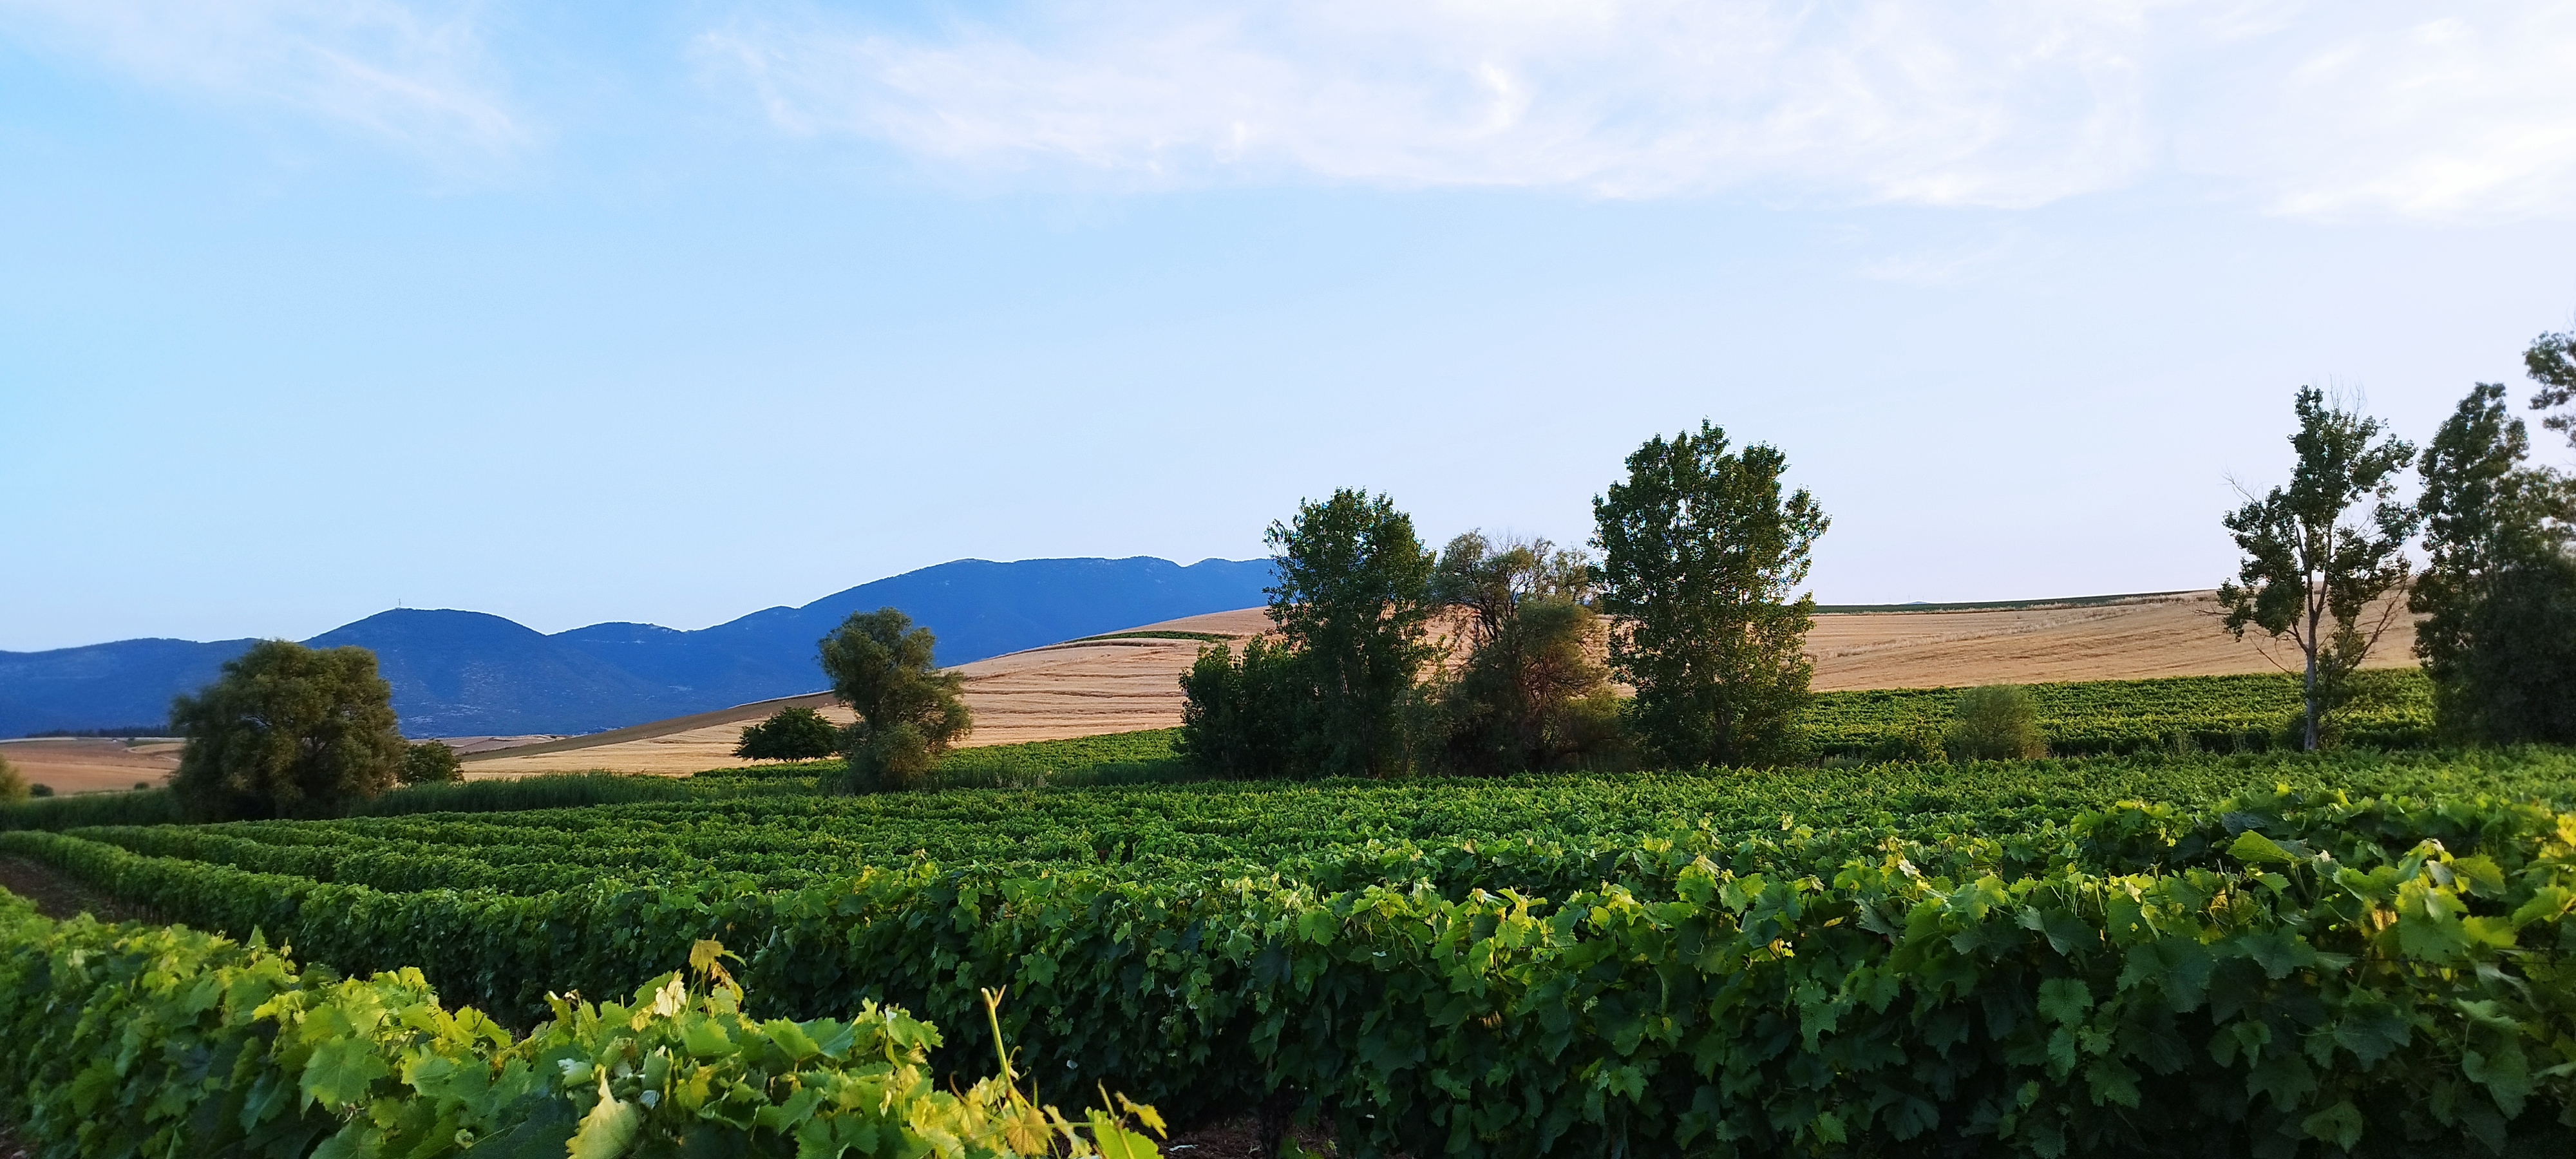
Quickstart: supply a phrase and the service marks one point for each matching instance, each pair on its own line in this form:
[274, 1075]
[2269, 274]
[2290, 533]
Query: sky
[670, 312]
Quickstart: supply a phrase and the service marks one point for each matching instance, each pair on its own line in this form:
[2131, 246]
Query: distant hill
[457, 673]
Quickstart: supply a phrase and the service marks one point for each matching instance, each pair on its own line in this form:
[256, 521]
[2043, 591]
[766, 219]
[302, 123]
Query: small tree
[1529, 695]
[793, 733]
[13, 784]
[2311, 571]
[1998, 722]
[431, 762]
[1701, 555]
[2498, 593]
[287, 731]
[1353, 602]
[909, 711]
[1241, 718]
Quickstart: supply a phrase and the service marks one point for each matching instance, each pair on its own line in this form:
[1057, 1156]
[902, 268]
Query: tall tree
[2498, 593]
[1702, 556]
[909, 711]
[2551, 362]
[287, 731]
[1529, 694]
[1353, 602]
[2312, 569]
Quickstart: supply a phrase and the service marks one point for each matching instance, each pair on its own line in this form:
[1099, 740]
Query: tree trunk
[2309, 691]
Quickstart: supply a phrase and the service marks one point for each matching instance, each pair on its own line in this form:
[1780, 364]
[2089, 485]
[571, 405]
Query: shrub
[1997, 722]
[13, 784]
[287, 731]
[793, 733]
[40, 789]
[431, 762]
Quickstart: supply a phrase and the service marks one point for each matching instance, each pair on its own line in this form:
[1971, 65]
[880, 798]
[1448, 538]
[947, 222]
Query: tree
[2310, 572]
[1700, 555]
[2498, 593]
[431, 762]
[1353, 603]
[909, 711]
[287, 731]
[2551, 362]
[13, 784]
[1998, 722]
[1243, 718]
[1529, 694]
[793, 733]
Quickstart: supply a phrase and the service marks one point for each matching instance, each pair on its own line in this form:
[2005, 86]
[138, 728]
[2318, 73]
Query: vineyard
[2168, 951]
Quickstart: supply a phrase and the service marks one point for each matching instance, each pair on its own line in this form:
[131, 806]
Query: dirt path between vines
[59, 897]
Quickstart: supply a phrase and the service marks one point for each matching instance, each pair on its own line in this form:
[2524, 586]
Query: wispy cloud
[416, 74]
[2377, 106]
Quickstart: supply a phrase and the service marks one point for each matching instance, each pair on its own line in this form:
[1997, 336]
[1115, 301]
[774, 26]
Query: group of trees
[2326, 559]
[1693, 601]
[291, 731]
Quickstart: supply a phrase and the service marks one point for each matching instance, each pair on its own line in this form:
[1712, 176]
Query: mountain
[457, 673]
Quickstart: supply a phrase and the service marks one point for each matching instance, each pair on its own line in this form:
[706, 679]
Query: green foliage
[2311, 570]
[793, 733]
[1158, 634]
[1243, 718]
[161, 1040]
[287, 731]
[44, 810]
[1529, 694]
[2013, 959]
[2551, 362]
[510, 794]
[2498, 593]
[1701, 555]
[909, 710]
[1998, 722]
[1113, 758]
[1352, 603]
[13, 784]
[431, 762]
[2389, 708]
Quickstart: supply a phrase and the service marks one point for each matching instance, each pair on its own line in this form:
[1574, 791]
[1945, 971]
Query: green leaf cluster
[159, 1040]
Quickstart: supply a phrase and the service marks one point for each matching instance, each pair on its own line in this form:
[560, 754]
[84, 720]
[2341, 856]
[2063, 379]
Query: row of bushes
[132, 1039]
[2380, 977]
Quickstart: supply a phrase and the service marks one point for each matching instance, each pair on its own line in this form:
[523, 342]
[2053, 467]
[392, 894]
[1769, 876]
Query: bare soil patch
[60, 898]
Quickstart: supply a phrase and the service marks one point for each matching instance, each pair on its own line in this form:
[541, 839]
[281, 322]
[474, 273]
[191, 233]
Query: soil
[59, 897]
[11, 1148]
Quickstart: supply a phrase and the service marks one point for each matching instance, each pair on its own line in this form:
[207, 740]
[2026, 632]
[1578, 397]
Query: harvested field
[1118, 682]
[89, 764]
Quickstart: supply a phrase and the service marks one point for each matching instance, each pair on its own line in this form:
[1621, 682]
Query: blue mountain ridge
[458, 673]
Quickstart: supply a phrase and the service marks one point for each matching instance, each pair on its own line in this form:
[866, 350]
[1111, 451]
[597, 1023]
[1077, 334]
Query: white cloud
[2365, 107]
[411, 73]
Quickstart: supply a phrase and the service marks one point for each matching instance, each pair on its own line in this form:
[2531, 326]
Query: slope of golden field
[90, 764]
[1097, 685]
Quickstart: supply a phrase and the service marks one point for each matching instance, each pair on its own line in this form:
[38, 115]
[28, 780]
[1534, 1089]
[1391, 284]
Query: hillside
[460, 673]
[1108, 685]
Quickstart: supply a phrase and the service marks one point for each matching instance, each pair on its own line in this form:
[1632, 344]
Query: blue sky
[670, 312]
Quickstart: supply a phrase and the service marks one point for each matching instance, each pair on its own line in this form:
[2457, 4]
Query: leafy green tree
[2551, 362]
[1529, 694]
[2498, 592]
[1354, 604]
[793, 733]
[1998, 722]
[2312, 569]
[1701, 553]
[13, 784]
[909, 711]
[431, 762]
[1241, 718]
[287, 731]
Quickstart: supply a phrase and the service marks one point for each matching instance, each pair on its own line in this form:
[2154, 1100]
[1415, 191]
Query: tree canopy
[793, 733]
[1529, 694]
[1701, 555]
[2316, 560]
[2498, 593]
[909, 711]
[287, 731]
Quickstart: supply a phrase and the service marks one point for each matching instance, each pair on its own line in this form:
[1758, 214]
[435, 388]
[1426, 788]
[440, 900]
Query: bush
[1997, 722]
[13, 784]
[793, 733]
[40, 789]
[431, 762]
[288, 731]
